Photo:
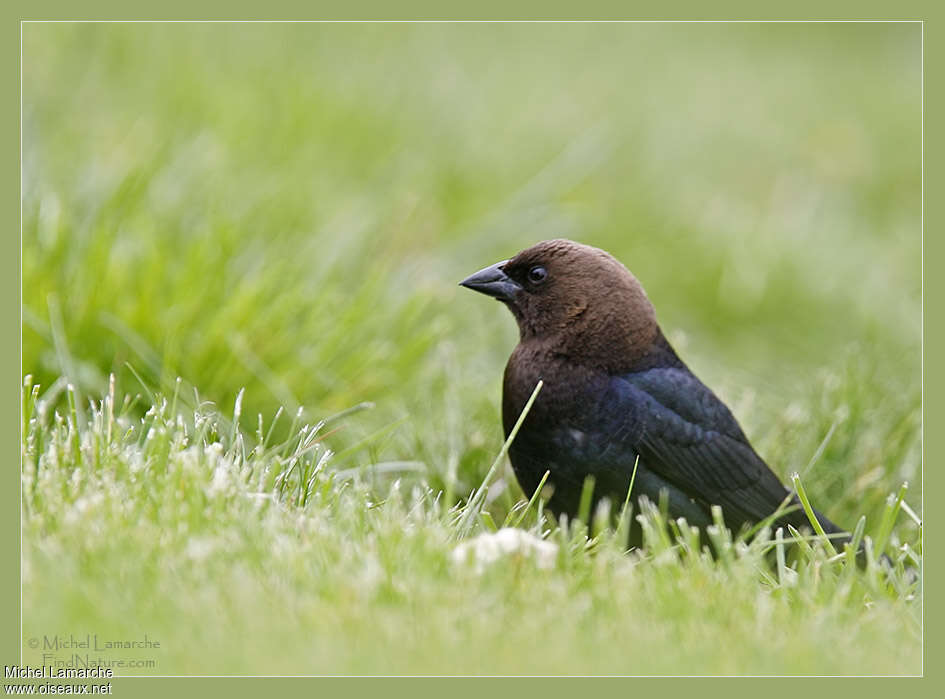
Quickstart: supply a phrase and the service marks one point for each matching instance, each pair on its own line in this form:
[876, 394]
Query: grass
[260, 416]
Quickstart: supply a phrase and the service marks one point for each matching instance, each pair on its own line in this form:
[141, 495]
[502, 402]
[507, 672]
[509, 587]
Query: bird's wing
[688, 436]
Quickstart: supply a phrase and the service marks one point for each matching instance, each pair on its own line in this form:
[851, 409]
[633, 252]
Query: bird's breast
[574, 428]
[566, 389]
[571, 416]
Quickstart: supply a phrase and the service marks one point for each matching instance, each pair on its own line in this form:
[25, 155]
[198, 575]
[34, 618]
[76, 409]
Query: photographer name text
[43, 672]
[91, 641]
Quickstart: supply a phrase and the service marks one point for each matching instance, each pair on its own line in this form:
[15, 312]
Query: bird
[617, 402]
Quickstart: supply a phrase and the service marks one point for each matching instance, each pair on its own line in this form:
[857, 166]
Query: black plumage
[615, 390]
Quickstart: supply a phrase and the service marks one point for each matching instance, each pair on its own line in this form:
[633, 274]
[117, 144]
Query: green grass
[276, 216]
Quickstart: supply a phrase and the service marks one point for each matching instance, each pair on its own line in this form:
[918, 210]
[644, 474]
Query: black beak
[493, 281]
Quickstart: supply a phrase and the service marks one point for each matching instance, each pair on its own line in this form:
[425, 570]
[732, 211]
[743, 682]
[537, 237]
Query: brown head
[575, 300]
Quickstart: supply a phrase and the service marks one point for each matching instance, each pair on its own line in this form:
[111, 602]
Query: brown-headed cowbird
[615, 391]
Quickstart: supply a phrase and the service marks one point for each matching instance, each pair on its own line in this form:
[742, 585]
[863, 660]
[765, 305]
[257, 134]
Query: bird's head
[576, 299]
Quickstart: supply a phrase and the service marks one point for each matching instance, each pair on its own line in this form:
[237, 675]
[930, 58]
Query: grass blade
[474, 506]
[893, 505]
[809, 510]
[532, 500]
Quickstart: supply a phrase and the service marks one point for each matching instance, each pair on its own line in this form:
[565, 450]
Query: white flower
[488, 548]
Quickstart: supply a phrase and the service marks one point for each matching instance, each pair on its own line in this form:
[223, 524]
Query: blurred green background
[287, 208]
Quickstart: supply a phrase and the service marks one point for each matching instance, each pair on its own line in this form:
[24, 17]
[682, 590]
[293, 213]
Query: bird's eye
[537, 274]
